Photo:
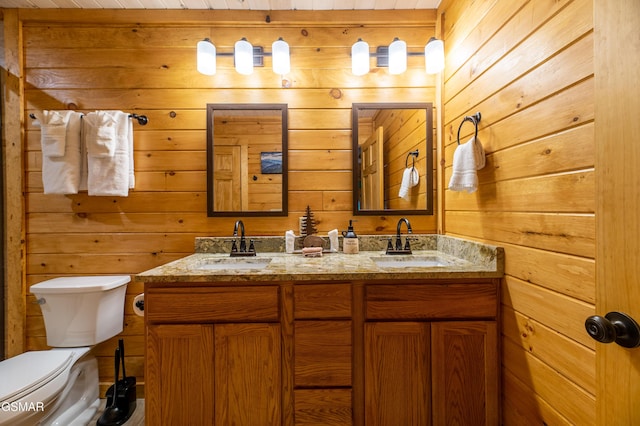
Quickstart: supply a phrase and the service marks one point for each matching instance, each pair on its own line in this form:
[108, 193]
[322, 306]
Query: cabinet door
[397, 376]
[179, 375]
[248, 385]
[465, 373]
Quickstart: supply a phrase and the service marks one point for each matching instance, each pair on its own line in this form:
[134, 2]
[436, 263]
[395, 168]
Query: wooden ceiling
[224, 4]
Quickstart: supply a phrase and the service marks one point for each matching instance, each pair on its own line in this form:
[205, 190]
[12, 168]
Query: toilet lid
[79, 284]
[30, 370]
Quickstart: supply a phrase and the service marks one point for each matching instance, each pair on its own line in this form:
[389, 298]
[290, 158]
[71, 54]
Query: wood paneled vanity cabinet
[431, 353]
[384, 352]
[213, 355]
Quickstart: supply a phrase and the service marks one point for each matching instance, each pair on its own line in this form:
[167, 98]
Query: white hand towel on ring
[467, 159]
[410, 178]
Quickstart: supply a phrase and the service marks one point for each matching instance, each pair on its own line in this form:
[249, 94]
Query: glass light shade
[397, 57]
[434, 56]
[206, 57]
[280, 55]
[360, 57]
[243, 56]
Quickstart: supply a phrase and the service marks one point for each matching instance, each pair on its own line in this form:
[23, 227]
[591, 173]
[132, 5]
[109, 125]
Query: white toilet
[60, 386]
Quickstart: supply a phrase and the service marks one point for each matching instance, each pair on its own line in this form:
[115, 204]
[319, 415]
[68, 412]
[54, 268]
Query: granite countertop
[453, 258]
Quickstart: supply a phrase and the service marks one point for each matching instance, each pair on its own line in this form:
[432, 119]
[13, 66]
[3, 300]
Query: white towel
[110, 175]
[53, 133]
[61, 151]
[410, 178]
[100, 134]
[467, 159]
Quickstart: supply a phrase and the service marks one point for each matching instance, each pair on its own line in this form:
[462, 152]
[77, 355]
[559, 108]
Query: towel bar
[475, 119]
[142, 119]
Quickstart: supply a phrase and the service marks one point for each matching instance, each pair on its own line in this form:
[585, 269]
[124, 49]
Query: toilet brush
[122, 394]
[113, 415]
[126, 394]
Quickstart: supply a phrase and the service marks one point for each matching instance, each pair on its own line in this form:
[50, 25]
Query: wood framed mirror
[392, 146]
[247, 159]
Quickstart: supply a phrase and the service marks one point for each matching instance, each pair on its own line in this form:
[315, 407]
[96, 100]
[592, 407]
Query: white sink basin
[409, 261]
[234, 264]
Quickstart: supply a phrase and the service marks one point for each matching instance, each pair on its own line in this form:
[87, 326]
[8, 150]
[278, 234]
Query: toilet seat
[28, 372]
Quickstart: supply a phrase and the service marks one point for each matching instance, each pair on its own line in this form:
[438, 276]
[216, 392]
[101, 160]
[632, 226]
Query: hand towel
[100, 134]
[110, 175]
[53, 133]
[62, 164]
[410, 178]
[312, 251]
[467, 159]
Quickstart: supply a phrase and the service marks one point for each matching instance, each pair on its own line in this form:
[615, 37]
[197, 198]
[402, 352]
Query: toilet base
[76, 404]
[79, 401]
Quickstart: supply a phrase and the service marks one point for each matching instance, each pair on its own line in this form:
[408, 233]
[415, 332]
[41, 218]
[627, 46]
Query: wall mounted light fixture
[434, 56]
[206, 58]
[280, 57]
[395, 55]
[245, 55]
[360, 57]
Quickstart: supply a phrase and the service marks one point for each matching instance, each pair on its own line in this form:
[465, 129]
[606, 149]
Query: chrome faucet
[399, 249]
[242, 251]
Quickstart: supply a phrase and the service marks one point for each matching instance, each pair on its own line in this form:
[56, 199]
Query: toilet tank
[82, 311]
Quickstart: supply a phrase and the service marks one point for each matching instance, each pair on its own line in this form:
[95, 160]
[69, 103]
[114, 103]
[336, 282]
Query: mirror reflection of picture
[271, 163]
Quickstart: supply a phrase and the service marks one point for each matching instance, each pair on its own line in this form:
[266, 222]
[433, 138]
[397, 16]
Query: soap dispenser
[350, 243]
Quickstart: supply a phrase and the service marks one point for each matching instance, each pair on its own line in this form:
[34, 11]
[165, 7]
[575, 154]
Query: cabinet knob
[615, 327]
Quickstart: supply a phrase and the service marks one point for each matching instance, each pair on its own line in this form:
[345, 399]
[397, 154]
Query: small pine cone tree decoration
[308, 224]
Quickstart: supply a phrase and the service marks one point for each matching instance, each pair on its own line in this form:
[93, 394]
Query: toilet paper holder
[138, 305]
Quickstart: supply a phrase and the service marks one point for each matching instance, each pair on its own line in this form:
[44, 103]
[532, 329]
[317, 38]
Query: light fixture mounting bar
[258, 55]
[382, 55]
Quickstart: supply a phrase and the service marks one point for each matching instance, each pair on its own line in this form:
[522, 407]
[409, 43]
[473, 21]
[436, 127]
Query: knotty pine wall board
[528, 66]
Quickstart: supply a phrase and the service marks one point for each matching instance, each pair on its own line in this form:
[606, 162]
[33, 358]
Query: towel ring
[475, 119]
[413, 154]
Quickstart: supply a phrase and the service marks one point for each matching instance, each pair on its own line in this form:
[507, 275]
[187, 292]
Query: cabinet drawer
[322, 301]
[331, 407]
[431, 301]
[212, 304]
[322, 353]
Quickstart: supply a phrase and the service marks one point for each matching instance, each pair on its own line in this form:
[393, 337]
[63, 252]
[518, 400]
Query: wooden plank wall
[527, 66]
[144, 62]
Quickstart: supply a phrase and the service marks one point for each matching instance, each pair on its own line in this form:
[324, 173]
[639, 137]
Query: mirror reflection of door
[372, 171]
[227, 181]
[246, 159]
[392, 158]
